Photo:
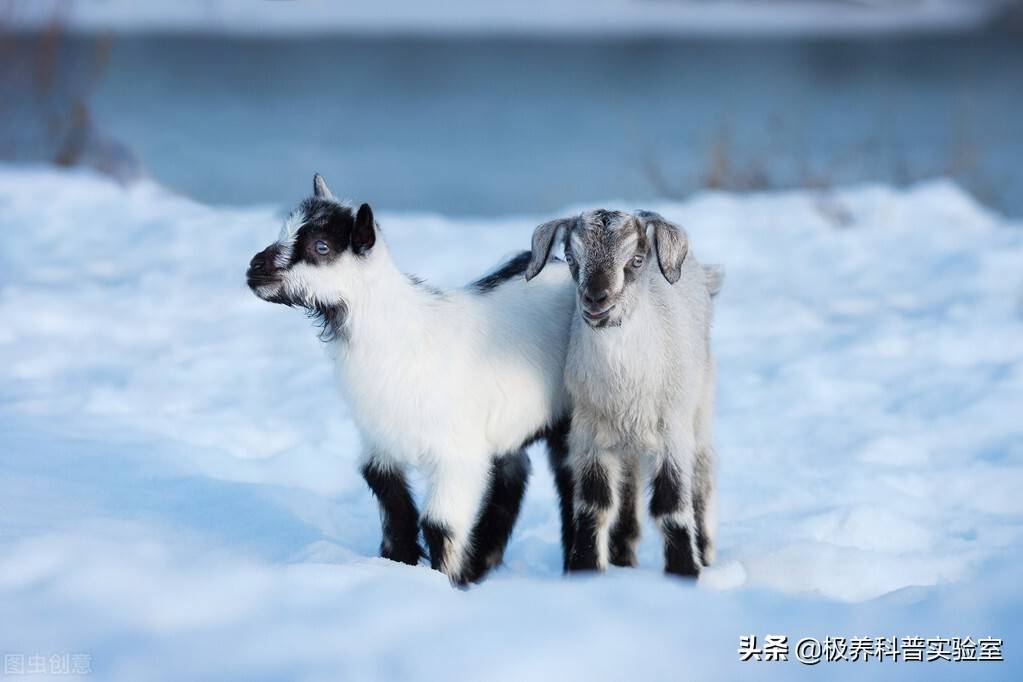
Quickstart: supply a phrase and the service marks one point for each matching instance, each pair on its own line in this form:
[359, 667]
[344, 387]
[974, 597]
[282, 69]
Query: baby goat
[454, 382]
[641, 377]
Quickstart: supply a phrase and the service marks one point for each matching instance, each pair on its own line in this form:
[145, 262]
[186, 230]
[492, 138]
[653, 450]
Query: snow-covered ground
[529, 17]
[179, 499]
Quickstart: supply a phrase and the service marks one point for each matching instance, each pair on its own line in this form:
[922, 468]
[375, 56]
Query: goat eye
[637, 261]
[570, 259]
[322, 248]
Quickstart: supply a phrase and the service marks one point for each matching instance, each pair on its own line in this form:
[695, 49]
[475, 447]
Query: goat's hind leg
[398, 515]
[557, 453]
[453, 503]
[508, 478]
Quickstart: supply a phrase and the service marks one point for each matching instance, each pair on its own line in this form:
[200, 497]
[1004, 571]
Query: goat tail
[715, 276]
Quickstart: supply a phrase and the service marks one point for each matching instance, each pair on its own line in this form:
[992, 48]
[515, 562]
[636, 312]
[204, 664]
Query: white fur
[286, 239]
[445, 381]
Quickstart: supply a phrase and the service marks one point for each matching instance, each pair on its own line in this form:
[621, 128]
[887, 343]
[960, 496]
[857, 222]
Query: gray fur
[320, 189]
[715, 279]
[672, 245]
[641, 374]
[544, 237]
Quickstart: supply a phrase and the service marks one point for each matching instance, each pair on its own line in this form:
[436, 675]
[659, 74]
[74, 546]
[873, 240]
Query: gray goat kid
[641, 376]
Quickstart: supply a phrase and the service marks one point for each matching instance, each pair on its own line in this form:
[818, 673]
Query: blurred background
[179, 493]
[479, 108]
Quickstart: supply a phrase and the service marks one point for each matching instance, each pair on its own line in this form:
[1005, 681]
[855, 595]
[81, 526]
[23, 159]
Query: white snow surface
[178, 487]
[561, 17]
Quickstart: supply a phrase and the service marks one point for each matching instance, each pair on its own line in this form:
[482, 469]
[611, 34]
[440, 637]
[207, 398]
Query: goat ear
[320, 189]
[543, 240]
[364, 232]
[670, 242]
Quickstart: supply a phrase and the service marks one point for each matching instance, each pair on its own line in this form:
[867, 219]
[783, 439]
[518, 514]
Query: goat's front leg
[705, 504]
[398, 515]
[596, 476]
[671, 505]
[704, 495]
[626, 529]
[453, 503]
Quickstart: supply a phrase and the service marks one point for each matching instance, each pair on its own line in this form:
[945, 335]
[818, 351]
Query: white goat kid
[454, 382]
[641, 376]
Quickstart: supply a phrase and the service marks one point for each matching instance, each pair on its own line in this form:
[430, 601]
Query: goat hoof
[707, 555]
[405, 555]
[581, 565]
[687, 573]
[623, 559]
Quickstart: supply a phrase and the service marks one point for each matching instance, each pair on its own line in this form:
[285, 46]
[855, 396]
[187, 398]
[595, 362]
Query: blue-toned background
[179, 497]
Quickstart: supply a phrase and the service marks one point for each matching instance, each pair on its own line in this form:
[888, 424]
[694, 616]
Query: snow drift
[178, 493]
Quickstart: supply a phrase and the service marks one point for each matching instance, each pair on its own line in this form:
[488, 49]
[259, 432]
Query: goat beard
[331, 318]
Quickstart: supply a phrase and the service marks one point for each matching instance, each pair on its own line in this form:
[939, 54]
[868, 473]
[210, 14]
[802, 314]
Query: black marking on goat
[605, 218]
[584, 545]
[438, 538]
[559, 429]
[598, 282]
[666, 495]
[364, 233]
[421, 283]
[642, 249]
[400, 518]
[556, 437]
[501, 504]
[323, 220]
[261, 270]
[557, 454]
[573, 267]
[513, 268]
[678, 551]
[331, 320]
[625, 530]
[281, 298]
[594, 488]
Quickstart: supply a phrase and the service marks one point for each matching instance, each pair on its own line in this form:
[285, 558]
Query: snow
[179, 496]
[527, 17]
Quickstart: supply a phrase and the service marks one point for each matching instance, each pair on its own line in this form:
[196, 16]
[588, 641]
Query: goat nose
[596, 297]
[257, 262]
